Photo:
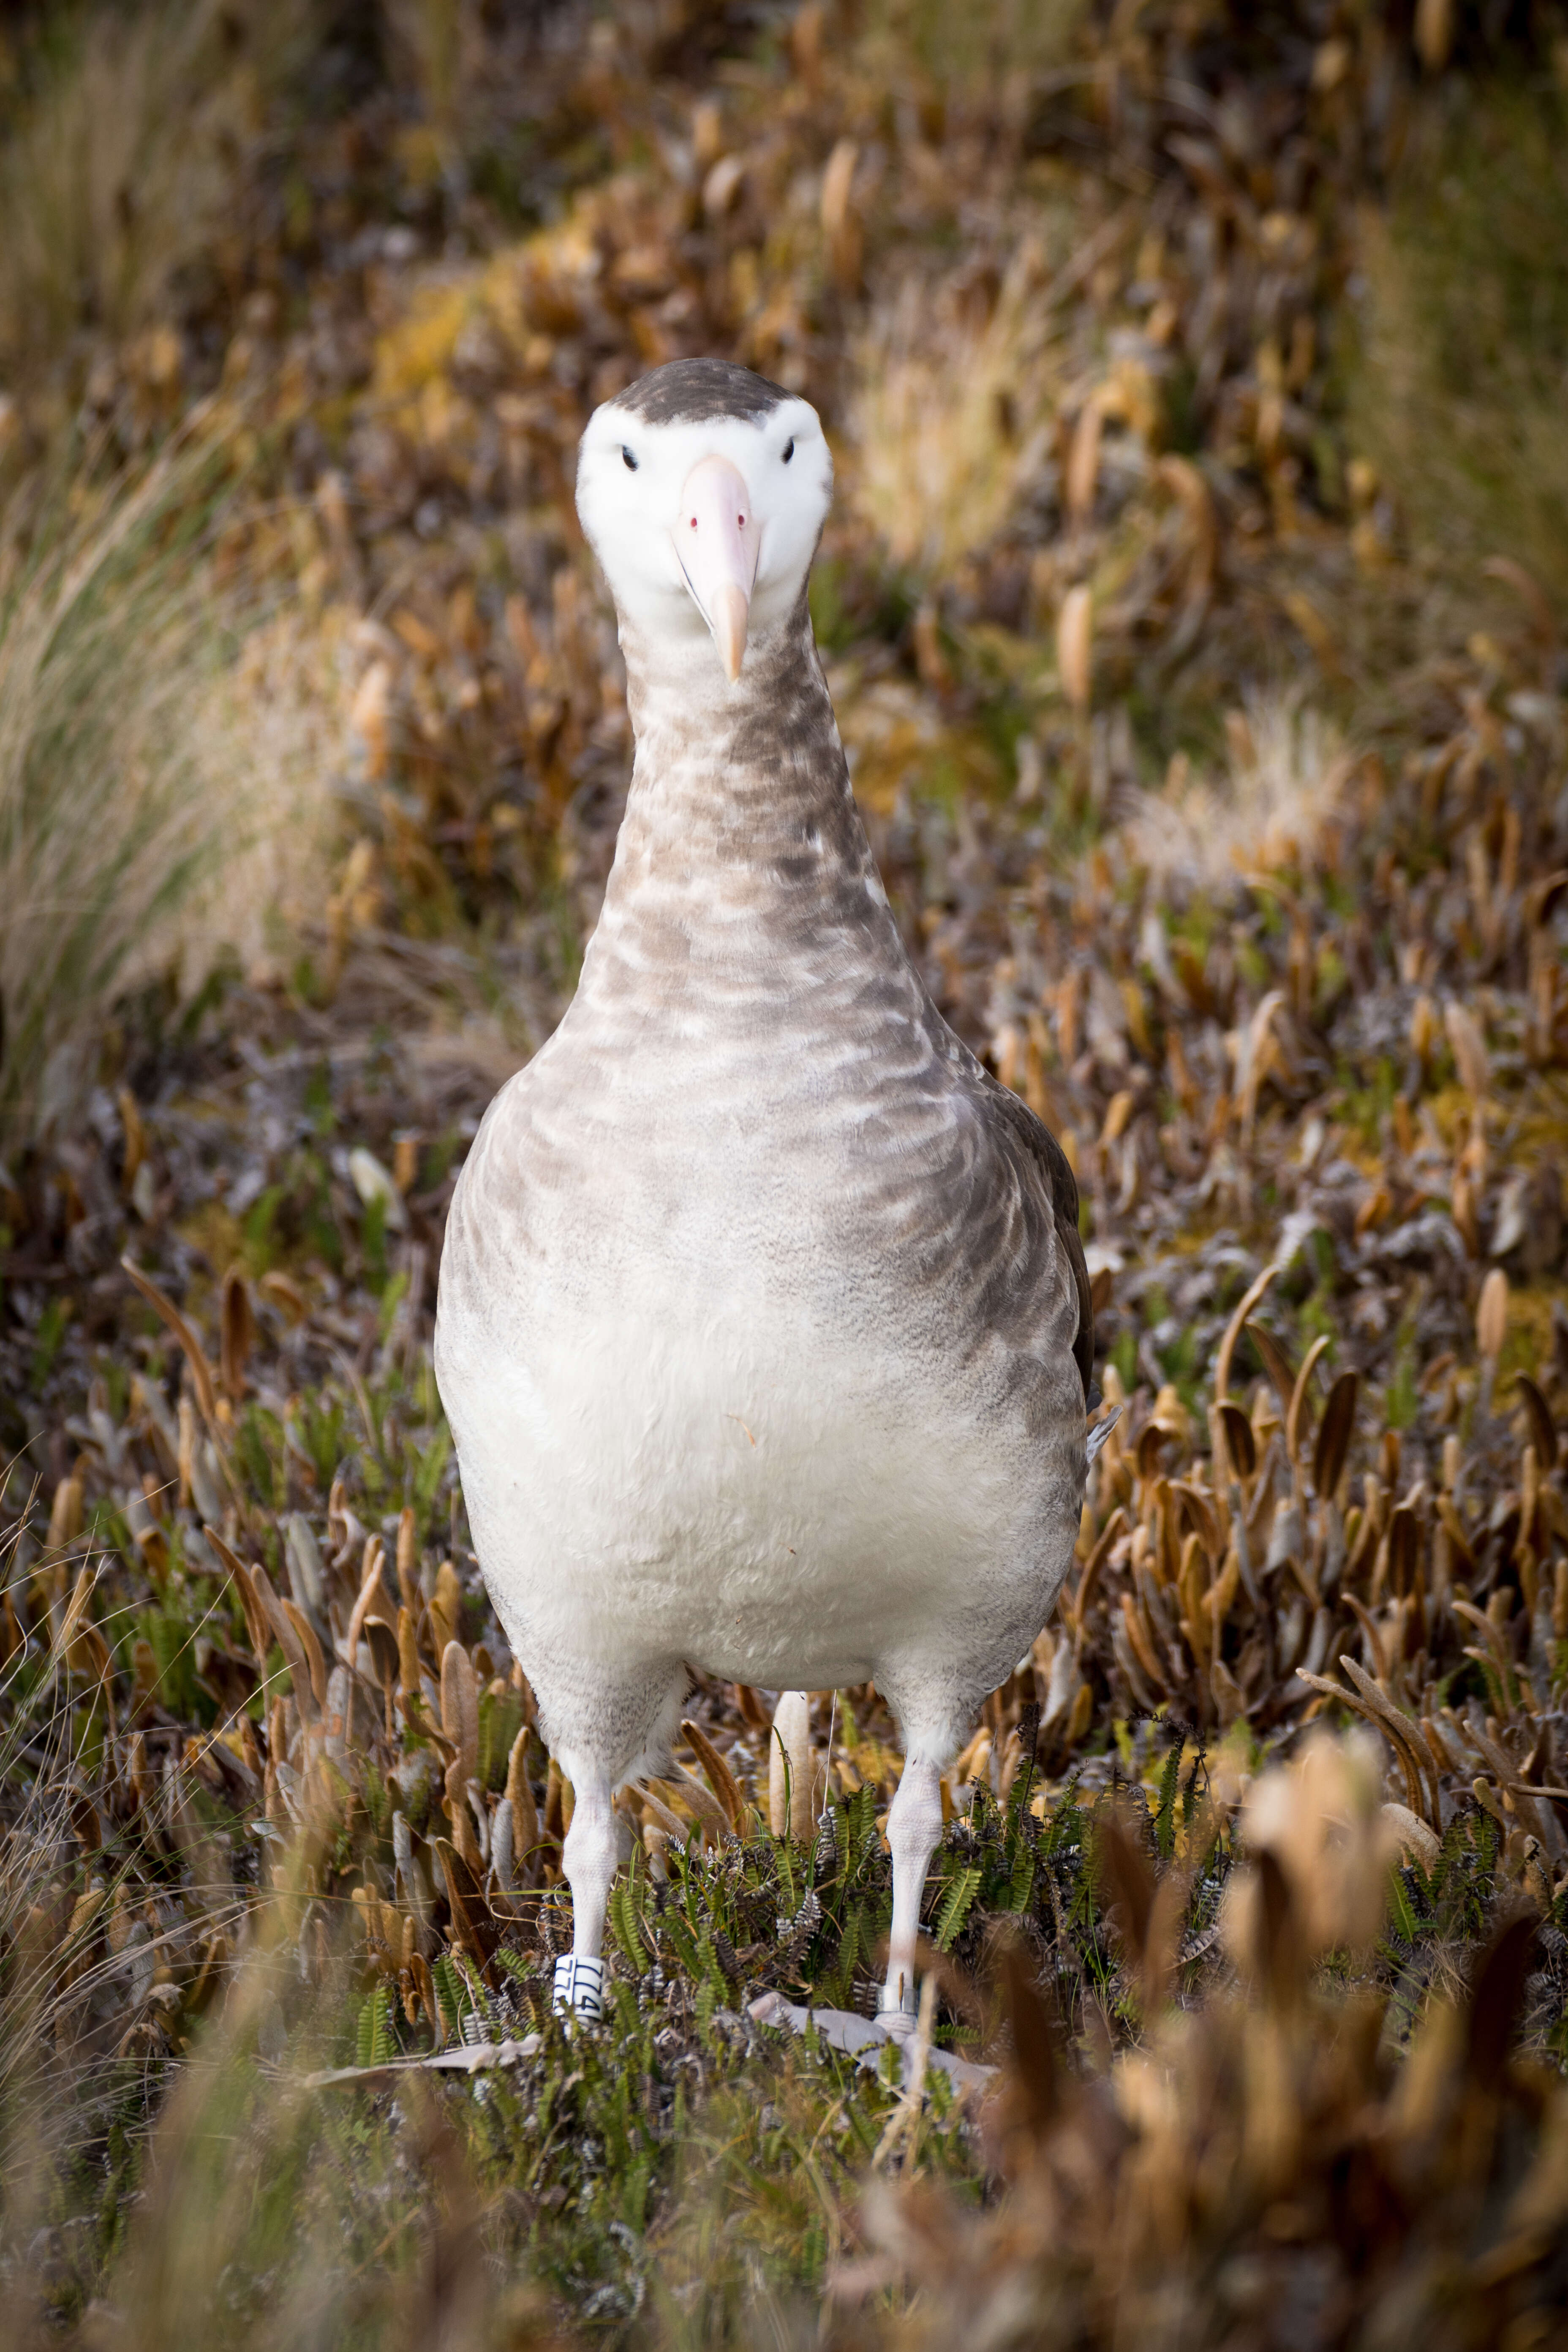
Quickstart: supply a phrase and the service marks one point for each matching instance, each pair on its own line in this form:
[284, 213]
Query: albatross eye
[789, 449]
[629, 462]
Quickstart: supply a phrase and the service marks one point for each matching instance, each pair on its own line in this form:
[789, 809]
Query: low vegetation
[1196, 632]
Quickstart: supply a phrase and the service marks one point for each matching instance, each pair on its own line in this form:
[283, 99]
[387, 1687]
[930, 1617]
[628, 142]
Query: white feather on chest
[700, 1405]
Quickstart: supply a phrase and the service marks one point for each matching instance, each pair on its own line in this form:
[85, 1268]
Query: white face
[705, 527]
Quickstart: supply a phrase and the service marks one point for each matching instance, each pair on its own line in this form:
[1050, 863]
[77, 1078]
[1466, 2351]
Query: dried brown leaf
[460, 1707]
[236, 1330]
[1542, 1427]
[725, 1787]
[1491, 1315]
[1237, 1324]
[1334, 1434]
[1239, 1442]
[164, 1308]
[1469, 1050]
[1075, 644]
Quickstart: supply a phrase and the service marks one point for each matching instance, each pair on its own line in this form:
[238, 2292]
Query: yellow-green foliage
[1461, 389]
[963, 45]
[119, 171]
[136, 795]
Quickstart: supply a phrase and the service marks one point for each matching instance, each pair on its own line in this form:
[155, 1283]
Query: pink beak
[716, 541]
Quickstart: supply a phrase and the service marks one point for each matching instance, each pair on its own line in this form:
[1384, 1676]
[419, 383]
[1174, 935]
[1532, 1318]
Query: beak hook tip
[731, 613]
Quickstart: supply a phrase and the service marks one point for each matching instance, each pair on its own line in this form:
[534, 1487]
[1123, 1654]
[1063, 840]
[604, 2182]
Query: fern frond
[955, 1905]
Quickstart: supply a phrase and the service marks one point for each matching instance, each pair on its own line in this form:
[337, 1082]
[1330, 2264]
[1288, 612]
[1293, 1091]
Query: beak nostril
[719, 558]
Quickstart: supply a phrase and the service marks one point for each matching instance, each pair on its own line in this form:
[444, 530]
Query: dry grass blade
[196, 1354]
[1542, 1427]
[1334, 1433]
[1126, 1885]
[1495, 2002]
[725, 1787]
[383, 1639]
[1298, 1416]
[1251, 1297]
[663, 1816]
[372, 1598]
[1491, 1315]
[1034, 2075]
[289, 1627]
[1277, 1363]
[703, 1805]
[310, 1649]
[471, 1915]
[520, 1796]
[460, 1707]
[1075, 645]
[237, 1329]
[1239, 1442]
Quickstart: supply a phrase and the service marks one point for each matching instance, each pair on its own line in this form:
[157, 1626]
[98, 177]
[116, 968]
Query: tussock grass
[952, 412]
[120, 172]
[962, 47]
[59, 2021]
[434, 35]
[1461, 385]
[135, 793]
[1271, 807]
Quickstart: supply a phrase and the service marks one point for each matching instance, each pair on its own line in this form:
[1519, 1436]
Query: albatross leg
[592, 1849]
[914, 1828]
[601, 1733]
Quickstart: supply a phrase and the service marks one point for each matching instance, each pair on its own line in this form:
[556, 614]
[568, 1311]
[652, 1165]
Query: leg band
[889, 2008]
[579, 1986]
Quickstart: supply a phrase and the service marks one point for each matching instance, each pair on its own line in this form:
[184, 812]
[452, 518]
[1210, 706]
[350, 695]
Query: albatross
[763, 1327]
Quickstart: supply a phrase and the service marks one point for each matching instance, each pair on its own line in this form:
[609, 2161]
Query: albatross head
[704, 489]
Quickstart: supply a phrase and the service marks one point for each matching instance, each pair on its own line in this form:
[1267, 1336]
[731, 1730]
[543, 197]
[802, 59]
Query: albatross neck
[740, 832]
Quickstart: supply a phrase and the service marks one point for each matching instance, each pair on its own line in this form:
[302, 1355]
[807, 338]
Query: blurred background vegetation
[1194, 605]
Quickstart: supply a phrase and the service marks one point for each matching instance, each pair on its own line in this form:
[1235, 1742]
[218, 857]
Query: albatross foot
[897, 2015]
[865, 2038]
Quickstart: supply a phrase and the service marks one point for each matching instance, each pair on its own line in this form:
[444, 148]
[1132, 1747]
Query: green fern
[627, 1926]
[374, 2043]
[681, 1941]
[860, 1811]
[1401, 1916]
[712, 1974]
[955, 1906]
[1165, 1810]
[451, 1991]
[1064, 1822]
[523, 1972]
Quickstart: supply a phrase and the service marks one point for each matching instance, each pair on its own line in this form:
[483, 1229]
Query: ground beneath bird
[1206, 697]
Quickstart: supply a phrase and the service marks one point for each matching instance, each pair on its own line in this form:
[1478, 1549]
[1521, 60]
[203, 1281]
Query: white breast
[726, 1476]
